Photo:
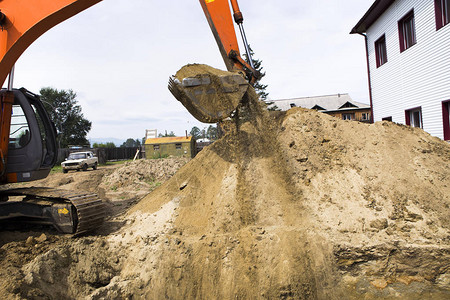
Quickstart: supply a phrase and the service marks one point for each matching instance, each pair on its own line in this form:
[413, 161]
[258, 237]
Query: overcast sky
[118, 56]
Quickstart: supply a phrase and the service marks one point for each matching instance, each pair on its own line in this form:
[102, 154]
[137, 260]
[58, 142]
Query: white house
[408, 57]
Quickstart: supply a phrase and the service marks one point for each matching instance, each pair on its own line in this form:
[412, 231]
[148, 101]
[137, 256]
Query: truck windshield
[77, 156]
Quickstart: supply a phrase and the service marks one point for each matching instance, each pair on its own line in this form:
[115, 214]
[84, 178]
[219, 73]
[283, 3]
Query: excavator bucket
[209, 94]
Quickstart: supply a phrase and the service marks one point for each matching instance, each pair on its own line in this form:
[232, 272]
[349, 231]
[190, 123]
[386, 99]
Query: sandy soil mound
[124, 185]
[291, 206]
[136, 179]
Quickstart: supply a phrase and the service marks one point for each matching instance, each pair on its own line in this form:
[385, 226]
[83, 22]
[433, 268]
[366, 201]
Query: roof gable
[317, 107]
[347, 104]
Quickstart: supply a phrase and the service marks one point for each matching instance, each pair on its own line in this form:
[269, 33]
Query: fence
[103, 154]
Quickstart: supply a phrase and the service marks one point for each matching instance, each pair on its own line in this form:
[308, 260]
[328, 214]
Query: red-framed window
[446, 119]
[380, 51]
[413, 117]
[407, 31]
[442, 12]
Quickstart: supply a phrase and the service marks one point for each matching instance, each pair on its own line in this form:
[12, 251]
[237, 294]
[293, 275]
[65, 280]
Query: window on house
[407, 31]
[293, 105]
[177, 146]
[442, 12]
[155, 147]
[387, 119]
[446, 119]
[414, 117]
[365, 116]
[348, 116]
[380, 51]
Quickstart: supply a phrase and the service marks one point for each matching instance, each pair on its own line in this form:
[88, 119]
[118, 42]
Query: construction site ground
[295, 205]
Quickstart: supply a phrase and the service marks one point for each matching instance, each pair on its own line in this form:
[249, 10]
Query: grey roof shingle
[328, 103]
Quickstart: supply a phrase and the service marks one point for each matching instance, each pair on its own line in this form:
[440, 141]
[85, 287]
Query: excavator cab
[32, 152]
[32, 149]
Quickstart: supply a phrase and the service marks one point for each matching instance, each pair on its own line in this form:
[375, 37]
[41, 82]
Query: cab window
[19, 135]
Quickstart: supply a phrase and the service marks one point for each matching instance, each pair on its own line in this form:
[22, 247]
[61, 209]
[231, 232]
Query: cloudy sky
[118, 55]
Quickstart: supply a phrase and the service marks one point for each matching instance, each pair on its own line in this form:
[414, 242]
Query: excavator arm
[218, 14]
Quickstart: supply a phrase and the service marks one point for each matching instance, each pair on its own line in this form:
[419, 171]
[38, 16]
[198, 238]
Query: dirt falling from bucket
[241, 229]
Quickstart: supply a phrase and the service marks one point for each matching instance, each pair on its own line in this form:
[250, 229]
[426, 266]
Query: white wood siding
[419, 76]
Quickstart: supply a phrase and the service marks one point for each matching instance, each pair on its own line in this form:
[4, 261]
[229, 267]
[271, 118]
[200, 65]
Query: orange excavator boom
[23, 21]
[218, 14]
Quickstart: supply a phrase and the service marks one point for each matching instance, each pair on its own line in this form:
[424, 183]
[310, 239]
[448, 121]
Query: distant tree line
[104, 145]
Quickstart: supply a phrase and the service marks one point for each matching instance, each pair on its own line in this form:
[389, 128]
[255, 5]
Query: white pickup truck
[80, 161]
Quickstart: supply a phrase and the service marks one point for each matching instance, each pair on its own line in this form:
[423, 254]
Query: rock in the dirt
[30, 241]
[42, 238]
[379, 224]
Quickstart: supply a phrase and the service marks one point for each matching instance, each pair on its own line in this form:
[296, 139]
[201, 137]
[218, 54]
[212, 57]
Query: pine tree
[258, 86]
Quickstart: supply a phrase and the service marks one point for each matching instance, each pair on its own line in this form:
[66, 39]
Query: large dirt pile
[290, 206]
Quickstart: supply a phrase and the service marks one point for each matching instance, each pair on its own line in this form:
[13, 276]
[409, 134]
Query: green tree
[196, 133]
[211, 132]
[131, 143]
[102, 145]
[203, 133]
[259, 87]
[170, 134]
[65, 112]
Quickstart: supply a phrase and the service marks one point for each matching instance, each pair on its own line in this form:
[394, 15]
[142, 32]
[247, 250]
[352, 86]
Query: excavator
[28, 148]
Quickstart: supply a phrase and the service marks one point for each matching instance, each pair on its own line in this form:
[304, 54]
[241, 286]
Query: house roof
[374, 12]
[322, 103]
[168, 140]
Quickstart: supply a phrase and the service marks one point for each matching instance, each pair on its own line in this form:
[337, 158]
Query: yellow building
[167, 146]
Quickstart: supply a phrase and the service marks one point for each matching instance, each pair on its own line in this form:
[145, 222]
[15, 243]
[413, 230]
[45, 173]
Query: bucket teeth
[209, 98]
[173, 88]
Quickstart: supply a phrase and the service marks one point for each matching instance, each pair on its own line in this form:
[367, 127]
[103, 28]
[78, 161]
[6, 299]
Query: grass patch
[117, 162]
[56, 169]
[159, 155]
